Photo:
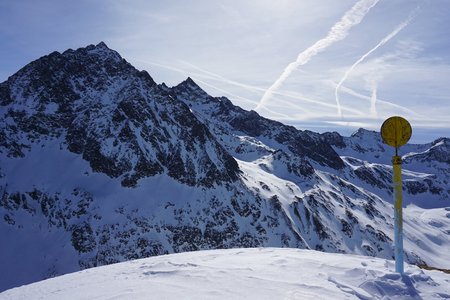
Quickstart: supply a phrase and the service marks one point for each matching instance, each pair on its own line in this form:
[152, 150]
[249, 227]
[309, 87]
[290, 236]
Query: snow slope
[251, 273]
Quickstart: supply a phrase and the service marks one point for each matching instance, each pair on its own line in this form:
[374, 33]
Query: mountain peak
[101, 50]
[191, 86]
[361, 132]
[102, 45]
[190, 82]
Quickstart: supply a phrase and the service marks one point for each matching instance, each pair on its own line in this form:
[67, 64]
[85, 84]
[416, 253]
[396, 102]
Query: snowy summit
[257, 273]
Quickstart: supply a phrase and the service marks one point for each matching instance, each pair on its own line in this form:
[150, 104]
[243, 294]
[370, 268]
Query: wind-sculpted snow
[99, 164]
[264, 273]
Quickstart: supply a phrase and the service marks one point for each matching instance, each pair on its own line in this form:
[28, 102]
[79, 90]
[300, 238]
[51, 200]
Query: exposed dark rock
[82, 238]
[334, 139]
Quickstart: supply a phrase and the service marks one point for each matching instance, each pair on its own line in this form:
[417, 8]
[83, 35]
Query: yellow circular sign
[396, 131]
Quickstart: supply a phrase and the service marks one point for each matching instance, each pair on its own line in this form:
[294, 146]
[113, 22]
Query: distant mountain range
[99, 164]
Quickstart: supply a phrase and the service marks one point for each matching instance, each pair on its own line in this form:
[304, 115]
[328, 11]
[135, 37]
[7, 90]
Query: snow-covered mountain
[257, 273]
[99, 164]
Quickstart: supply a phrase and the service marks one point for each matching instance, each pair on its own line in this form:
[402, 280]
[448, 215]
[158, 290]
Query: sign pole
[396, 132]
[398, 214]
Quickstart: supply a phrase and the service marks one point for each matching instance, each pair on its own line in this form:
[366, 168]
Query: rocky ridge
[100, 164]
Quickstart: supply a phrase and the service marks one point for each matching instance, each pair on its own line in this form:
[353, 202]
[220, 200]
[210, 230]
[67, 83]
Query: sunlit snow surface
[263, 273]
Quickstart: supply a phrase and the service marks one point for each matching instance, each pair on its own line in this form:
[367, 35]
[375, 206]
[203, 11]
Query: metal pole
[398, 217]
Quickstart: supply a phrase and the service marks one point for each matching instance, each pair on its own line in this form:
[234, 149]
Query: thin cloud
[362, 58]
[224, 91]
[388, 103]
[338, 32]
[256, 89]
[196, 76]
[215, 76]
[373, 99]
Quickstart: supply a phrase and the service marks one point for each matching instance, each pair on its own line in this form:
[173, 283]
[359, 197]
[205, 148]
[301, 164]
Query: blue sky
[322, 65]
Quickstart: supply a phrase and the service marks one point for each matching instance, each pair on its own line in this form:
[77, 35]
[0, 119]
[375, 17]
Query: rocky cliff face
[117, 118]
[100, 164]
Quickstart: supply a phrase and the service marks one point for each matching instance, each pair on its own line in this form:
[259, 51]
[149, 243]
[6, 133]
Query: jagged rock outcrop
[116, 117]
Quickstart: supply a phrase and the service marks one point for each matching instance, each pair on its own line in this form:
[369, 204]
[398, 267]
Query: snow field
[254, 273]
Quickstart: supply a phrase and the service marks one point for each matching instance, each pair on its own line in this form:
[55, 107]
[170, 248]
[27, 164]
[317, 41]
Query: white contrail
[195, 76]
[381, 43]
[196, 79]
[384, 102]
[217, 77]
[338, 32]
[373, 99]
